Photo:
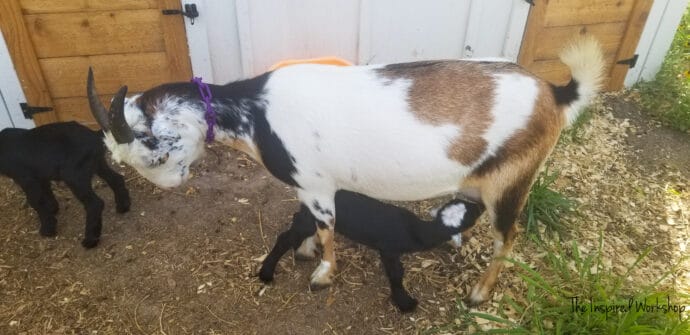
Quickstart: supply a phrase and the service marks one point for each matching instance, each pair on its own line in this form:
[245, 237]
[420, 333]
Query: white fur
[585, 59]
[322, 271]
[308, 247]
[368, 139]
[452, 215]
[456, 240]
[513, 105]
[177, 155]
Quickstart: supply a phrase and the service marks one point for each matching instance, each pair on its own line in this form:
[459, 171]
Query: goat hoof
[89, 243]
[405, 304]
[476, 298]
[265, 275]
[318, 286]
[322, 276]
[123, 207]
[48, 232]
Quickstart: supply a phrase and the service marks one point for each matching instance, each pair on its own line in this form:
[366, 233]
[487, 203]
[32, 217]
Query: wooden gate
[127, 42]
[617, 24]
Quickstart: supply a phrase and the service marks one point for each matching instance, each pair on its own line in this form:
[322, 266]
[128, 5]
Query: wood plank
[569, 12]
[24, 58]
[557, 73]
[552, 40]
[174, 37]
[534, 27]
[95, 33]
[66, 6]
[77, 109]
[66, 77]
[632, 35]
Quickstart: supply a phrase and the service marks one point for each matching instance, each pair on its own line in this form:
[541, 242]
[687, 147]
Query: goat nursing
[400, 132]
[389, 229]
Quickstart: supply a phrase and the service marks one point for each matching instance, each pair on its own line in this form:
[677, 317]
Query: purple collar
[210, 116]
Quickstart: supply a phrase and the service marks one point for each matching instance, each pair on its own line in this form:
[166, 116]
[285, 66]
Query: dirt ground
[185, 261]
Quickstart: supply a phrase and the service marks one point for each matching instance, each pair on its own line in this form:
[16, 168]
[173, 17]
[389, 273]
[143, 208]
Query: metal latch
[30, 111]
[190, 11]
[629, 62]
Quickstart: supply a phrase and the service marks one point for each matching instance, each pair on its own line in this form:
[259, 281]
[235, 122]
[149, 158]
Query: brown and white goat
[397, 132]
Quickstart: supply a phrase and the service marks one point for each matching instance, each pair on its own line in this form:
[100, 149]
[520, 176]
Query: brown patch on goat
[245, 147]
[326, 238]
[455, 92]
[535, 140]
[504, 180]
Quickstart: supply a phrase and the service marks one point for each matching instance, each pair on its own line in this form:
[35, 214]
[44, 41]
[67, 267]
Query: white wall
[11, 93]
[5, 120]
[241, 38]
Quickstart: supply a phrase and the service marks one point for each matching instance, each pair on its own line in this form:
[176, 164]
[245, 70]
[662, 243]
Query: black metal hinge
[630, 62]
[30, 111]
[190, 11]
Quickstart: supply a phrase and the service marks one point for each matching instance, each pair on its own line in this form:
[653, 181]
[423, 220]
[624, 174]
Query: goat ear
[118, 124]
[97, 109]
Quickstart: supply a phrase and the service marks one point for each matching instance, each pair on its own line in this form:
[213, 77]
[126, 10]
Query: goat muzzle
[113, 120]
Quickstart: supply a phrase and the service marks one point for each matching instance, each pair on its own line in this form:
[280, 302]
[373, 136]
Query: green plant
[548, 305]
[545, 206]
[668, 95]
[575, 132]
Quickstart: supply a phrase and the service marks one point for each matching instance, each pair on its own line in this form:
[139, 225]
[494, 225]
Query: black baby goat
[60, 151]
[389, 229]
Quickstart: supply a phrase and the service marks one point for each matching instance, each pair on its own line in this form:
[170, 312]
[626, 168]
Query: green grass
[575, 132]
[546, 206]
[548, 305]
[668, 95]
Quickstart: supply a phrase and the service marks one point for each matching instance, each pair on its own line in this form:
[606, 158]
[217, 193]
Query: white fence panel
[246, 37]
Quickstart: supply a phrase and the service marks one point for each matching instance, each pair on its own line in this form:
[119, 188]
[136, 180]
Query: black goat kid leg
[81, 187]
[395, 273]
[286, 240]
[116, 183]
[41, 199]
[49, 197]
[302, 227]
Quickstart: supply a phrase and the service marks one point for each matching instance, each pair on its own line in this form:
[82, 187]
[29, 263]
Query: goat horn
[97, 109]
[119, 128]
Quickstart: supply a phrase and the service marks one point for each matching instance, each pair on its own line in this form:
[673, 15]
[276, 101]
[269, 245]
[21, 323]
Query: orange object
[321, 60]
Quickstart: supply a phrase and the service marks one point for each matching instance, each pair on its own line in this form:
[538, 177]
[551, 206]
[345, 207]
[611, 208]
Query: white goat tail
[585, 59]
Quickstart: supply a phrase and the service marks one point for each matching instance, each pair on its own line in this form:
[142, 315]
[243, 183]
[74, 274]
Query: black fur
[244, 98]
[232, 102]
[60, 151]
[389, 229]
[565, 95]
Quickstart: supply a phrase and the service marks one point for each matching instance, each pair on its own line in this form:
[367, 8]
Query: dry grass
[184, 262]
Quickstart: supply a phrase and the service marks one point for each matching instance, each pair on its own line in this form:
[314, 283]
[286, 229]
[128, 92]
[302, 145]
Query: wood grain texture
[175, 40]
[638, 18]
[95, 33]
[617, 24]
[66, 6]
[557, 73]
[552, 39]
[571, 12]
[77, 109]
[535, 25]
[66, 77]
[24, 58]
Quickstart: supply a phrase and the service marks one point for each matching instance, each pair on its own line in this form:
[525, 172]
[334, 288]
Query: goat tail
[585, 59]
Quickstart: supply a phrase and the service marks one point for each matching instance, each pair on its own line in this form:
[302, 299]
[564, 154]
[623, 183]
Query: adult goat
[397, 132]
